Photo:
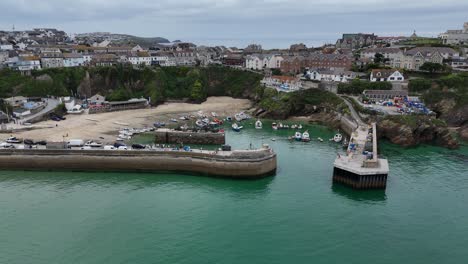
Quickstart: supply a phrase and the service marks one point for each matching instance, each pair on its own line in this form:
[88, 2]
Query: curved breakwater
[234, 164]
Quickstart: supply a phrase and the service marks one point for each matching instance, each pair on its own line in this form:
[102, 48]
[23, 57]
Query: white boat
[280, 126]
[93, 144]
[258, 124]
[199, 123]
[293, 126]
[173, 120]
[299, 126]
[206, 121]
[274, 126]
[13, 140]
[76, 110]
[236, 127]
[320, 139]
[213, 114]
[337, 138]
[298, 136]
[238, 117]
[305, 137]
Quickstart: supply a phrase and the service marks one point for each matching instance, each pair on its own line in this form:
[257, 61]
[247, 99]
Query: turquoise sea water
[298, 216]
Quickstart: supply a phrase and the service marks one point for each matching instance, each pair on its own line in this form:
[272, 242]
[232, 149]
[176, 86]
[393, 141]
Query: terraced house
[325, 61]
[415, 58]
[260, 62]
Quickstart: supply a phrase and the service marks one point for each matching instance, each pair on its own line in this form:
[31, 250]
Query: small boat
[184, 118]
[236, 127]
[274, 126]
[345, 143]
[159, 124]
[93, 144]
[286, 126]
[320, 139]
[293, 126]
[238, 117]
[299, 126]
[298, 136]
[229, 119]
[174, 120]
[76, 110]
[273, 139]
[213, 114]
[258, 124]
[337, 138]
[206, 120]
[200, 123]
[13, 140]
[305, 137]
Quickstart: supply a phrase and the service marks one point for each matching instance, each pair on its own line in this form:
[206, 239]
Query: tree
[432, 67]
[418, 85]
[379, 58]
[197, 93]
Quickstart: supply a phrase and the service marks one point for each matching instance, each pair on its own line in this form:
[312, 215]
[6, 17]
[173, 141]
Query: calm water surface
[298, 216]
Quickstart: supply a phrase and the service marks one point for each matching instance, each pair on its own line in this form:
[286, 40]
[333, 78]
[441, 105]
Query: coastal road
[354, 114]
[51, 105]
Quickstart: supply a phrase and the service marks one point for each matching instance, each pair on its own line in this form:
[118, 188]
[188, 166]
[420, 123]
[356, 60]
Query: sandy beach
[107, 125]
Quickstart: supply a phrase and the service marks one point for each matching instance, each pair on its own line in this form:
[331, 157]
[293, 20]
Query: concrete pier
[358, 170]
[170, 136]
[246, 164]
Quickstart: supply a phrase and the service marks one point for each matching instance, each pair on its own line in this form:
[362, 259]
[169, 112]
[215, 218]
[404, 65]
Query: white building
[260, 62]
[140, 58]
[28, 63]
[386, 75]
[456, 37]
[6, 46]
[331, 75]
[73, 60]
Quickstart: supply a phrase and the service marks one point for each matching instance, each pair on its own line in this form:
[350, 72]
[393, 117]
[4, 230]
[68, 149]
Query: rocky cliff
[413, 130]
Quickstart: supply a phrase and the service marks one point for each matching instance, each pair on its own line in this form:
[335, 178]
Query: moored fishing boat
[274, 126]
[298, 136]
[258, 124]
[236, 127]
[305, 137]
[200, 123]
[337, 138]
[13, 140]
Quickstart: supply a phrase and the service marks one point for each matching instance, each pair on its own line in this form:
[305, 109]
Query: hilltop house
[327, 61]
[393, 56]
[378, 75]
[456, 37]
[260, 62]
[139, 58]
[331, 75]
[73, 60]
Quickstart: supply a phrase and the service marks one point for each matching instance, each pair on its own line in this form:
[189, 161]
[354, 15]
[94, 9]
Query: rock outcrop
[423, 130]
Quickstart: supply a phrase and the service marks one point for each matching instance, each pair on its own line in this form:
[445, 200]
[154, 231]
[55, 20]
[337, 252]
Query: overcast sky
[272, 23]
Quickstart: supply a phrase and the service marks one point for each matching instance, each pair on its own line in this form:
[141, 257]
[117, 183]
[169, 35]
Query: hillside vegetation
[125, 82]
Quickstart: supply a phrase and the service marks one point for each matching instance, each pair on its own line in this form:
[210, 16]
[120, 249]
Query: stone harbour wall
[198, 138]
[236, 164]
